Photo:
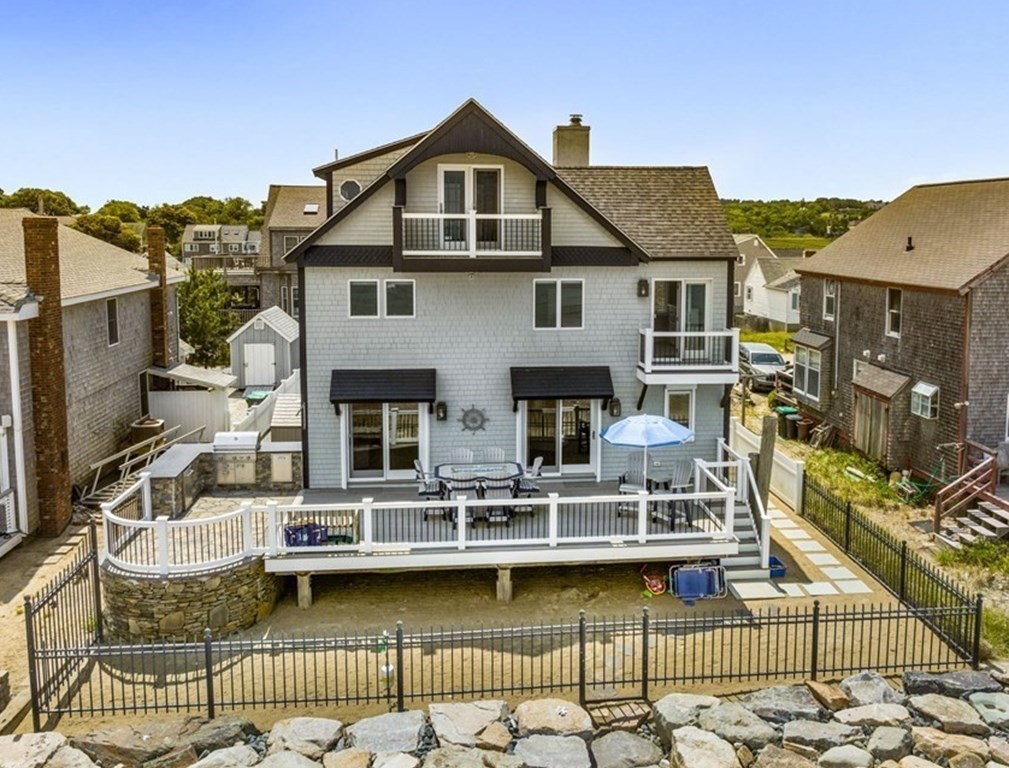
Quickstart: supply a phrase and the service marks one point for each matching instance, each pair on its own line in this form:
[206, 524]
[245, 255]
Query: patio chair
[498, 488]
[428, 487]
[704, 581]
[493, 454]
[633, 478]
[461, 456]
[468, 487]
[527, 483]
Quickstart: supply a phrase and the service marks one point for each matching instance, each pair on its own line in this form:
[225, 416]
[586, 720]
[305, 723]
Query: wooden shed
[264, 351]
[285, 426]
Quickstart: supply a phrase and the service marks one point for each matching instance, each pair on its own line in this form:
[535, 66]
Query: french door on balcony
[562, 432]
[470, 188]
[681, 306]
[384, 439]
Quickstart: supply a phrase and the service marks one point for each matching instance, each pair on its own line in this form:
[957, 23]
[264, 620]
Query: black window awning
[561, 383]
[381, 385]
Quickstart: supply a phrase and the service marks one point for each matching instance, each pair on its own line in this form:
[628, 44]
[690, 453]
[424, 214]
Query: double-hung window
[806, 372]
[381, 298]
[829, 299]
[112, 320]
[794, 295]
[558, 304]
[925, 400]
[894, 298]
[680, 406]
[292, 240]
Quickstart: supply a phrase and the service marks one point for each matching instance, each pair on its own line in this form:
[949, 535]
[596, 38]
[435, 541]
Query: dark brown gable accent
[472, 129]
[348, 256]
[592, 256]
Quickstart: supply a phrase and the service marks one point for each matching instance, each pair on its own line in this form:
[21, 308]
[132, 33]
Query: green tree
[51, 202]
[123, 210]
[173, 219]
[203, 321]
[110, 229]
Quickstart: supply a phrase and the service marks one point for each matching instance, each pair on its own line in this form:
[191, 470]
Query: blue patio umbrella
[646, 431]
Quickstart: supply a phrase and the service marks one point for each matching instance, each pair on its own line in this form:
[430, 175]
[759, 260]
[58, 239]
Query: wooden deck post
[304, 590]
[504, 584]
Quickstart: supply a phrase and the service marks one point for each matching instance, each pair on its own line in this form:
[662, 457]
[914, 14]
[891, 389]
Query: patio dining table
[482, 470]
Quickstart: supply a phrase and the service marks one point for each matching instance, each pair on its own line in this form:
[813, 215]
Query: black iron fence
[913, 580]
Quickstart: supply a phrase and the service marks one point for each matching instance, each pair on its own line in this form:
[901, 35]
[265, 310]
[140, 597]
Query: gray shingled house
[466, 293]
[903, 346]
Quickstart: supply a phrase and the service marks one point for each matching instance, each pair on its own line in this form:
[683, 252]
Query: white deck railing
[472, 234]
[661, 351]
[746, 485]
[367, 528]
[8, 513]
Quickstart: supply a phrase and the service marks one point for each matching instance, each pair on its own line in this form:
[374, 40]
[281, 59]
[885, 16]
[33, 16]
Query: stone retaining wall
[150, 608]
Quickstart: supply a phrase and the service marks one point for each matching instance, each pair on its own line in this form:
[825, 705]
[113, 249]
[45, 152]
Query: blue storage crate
[777, 567]
[305, 535]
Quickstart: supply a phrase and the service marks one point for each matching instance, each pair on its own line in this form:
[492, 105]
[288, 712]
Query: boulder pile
[951, 720]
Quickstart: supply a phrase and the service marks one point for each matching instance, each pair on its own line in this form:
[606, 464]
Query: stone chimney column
[159, 297]
[571, 144]
[49, 390]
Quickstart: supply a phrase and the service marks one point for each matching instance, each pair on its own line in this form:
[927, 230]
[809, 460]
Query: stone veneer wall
[152, 608]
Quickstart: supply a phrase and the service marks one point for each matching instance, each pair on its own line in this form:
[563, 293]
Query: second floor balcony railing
[672, 351]
[472, 235]
[230, 264]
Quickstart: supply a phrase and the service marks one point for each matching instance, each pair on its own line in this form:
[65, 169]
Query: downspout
[964, 382]
[837, 343]
[17, 417]
[730, 322]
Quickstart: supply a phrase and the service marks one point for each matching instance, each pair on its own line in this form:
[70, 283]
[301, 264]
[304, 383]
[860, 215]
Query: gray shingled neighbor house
[84, 320]
[463, 292]
[903, 346]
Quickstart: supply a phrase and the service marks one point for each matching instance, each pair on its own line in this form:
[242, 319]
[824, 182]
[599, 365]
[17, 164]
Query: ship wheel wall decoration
[472, 419]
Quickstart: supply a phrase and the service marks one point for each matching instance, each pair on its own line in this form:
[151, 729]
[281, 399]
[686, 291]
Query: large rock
[392, 732]
[288, 760]
[180, 757]
[830, 696]
[775, 757]
[495, 736]
[621, 749]
[677, 710]
[240, 756]
[553, 717]
[846, 756]
[956, 684]
[68, 757]
[461, 724]
[736, 724]
[938, 746]
[781, 703]
[889, 743]
[395, 760]
[818, 736]
[869, 688]
[993, 708]
[696, 748]
[29, 750]
[999, 749]
[462, 757]
[953, 715]
[347, 758]
[539, 751]
[966, 760]
[913, 761]
[310, 736]
[874, 715]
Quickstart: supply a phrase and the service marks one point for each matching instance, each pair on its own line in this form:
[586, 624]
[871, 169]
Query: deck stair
[988, 520]
[745, 565]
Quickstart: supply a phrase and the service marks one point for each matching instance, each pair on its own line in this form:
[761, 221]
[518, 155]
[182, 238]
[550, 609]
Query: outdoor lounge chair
[498, 488]
[493, 454]
[527, 485]
[691, 583]
[462, 487]
[428, 487]
[461, 456]
[633, 478]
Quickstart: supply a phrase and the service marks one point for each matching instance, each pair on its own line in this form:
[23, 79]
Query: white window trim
[378, 300]
[857, 366]
[889, 313]
[192, 247]
[737, 289]
[749, 293]
[793, 300]
[692, 391]
[557, 294]
[385, 294]
[829, 291]
[295, 302]
[297, 239]
[741, 260]
[381, 304]
[684, 282]
[813, 396]
[929, 393]
[339, 190]
[470, 202]
[113, 302]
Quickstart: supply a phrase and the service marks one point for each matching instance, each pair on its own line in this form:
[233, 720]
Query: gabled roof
[13, 295]
[959, 232]
[285, 206]
[324, 170]
[184, 373]
[87, 265]
[774, 269]
[234, 233]
[277, 319]
[786, 282]
[670, 212]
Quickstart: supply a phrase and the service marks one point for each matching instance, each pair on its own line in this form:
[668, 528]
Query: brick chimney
[162, 355]
[49, 391]
[571, 144]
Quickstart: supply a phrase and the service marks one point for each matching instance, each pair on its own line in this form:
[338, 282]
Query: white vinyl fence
[258, 418]
[786, 474]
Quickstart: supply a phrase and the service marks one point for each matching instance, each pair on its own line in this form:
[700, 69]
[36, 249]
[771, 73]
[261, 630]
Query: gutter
[18, 419]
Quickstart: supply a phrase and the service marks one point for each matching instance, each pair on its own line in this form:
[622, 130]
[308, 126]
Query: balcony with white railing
[471, 236]
[230, 265]
[700, 357]
[371, 535]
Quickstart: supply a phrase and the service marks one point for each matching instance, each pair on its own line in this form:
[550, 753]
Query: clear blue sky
[158, 101]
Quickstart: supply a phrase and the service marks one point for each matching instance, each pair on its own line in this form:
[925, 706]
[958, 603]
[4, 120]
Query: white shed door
[260, 365]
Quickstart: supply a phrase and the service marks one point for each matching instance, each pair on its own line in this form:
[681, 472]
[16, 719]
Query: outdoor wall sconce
[441, 411]
[615, 407]
[643, 289]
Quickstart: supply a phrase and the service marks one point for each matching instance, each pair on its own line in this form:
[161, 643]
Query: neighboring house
[292, 213]
[750, 248]
[232, 250]
[903, 347]
[464, 292]
[201, 240]
[771, 294]
[85, 320]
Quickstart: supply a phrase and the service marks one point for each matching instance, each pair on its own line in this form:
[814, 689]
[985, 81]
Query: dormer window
[348, 191]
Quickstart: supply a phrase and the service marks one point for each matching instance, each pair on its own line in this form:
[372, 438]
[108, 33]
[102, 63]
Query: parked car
[760, 362]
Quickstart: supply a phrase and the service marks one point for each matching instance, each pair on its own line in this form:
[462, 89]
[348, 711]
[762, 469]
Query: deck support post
[504, 585]
[304, 590]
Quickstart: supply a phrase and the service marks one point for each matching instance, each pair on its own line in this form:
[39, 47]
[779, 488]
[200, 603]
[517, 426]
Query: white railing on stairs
[746, 486]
